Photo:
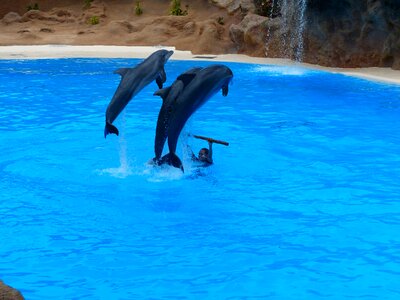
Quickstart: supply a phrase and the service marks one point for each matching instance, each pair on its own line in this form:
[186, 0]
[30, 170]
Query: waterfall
[293, 23]
[301, 23]
[271, 14]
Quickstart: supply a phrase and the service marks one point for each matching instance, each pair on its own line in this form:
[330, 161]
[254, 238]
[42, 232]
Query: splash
[282, 70]
[148, 170]
[169, 173]
[162, 173]
[124, 170]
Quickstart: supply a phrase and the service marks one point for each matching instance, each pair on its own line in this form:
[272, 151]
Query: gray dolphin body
[132, 82]
[206, 82]
[169, 96]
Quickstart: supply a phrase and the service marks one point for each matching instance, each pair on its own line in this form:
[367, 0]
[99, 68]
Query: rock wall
[350, 33]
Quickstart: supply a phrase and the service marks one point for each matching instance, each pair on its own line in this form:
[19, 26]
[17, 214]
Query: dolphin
[169, 96]
[133, 80]
[206, 82]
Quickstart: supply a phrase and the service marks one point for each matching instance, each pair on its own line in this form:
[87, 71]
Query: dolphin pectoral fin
[163, 93]
[121, 71]
[225, 90]
[110, 128]
[173, 160]
[159, 82]
[161, 78]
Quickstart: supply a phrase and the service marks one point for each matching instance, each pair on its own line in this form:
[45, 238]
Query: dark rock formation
[341, 33]
[349, 33]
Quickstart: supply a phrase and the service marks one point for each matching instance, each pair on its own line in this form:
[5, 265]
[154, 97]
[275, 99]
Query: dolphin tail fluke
[110, 128]
[173, 160]
[176, 161]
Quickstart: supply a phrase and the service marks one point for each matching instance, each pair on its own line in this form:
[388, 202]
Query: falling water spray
[298, 55]
[293, 23]
[267, 41]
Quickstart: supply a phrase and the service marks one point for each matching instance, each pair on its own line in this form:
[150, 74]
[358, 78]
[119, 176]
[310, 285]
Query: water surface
[303, 204]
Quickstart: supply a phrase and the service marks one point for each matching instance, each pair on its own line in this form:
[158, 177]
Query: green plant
[138, 9]
[33, 7]
[220, 20]
[175, 8]
[94, 20]
[87, 3]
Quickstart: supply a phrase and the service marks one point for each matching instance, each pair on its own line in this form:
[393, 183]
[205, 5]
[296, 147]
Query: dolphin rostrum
[133, 80]
[202, 86]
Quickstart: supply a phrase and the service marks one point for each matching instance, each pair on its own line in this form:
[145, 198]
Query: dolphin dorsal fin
[163, 93]
[186, 78]
[121, 71]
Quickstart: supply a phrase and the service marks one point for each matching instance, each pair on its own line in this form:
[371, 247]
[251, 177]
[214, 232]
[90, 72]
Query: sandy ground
[204, 29]
[60, 51]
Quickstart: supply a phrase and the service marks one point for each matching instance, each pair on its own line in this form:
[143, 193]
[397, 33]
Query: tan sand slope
[205, 29]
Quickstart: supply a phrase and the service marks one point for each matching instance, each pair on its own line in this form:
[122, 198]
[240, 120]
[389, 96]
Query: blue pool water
[303, 203]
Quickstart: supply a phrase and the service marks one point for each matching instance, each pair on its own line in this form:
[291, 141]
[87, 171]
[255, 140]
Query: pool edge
[387, 75]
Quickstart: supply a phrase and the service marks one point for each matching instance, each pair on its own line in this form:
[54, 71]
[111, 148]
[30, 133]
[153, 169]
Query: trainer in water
[202, 86]
[205, 157]
[133, 80]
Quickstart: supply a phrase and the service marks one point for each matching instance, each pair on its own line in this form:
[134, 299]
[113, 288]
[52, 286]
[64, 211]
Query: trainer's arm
[210, 152]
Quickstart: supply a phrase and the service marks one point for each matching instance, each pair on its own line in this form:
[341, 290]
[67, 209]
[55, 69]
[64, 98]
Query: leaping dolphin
[133, 80]
[203, 86]
[169, 96]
